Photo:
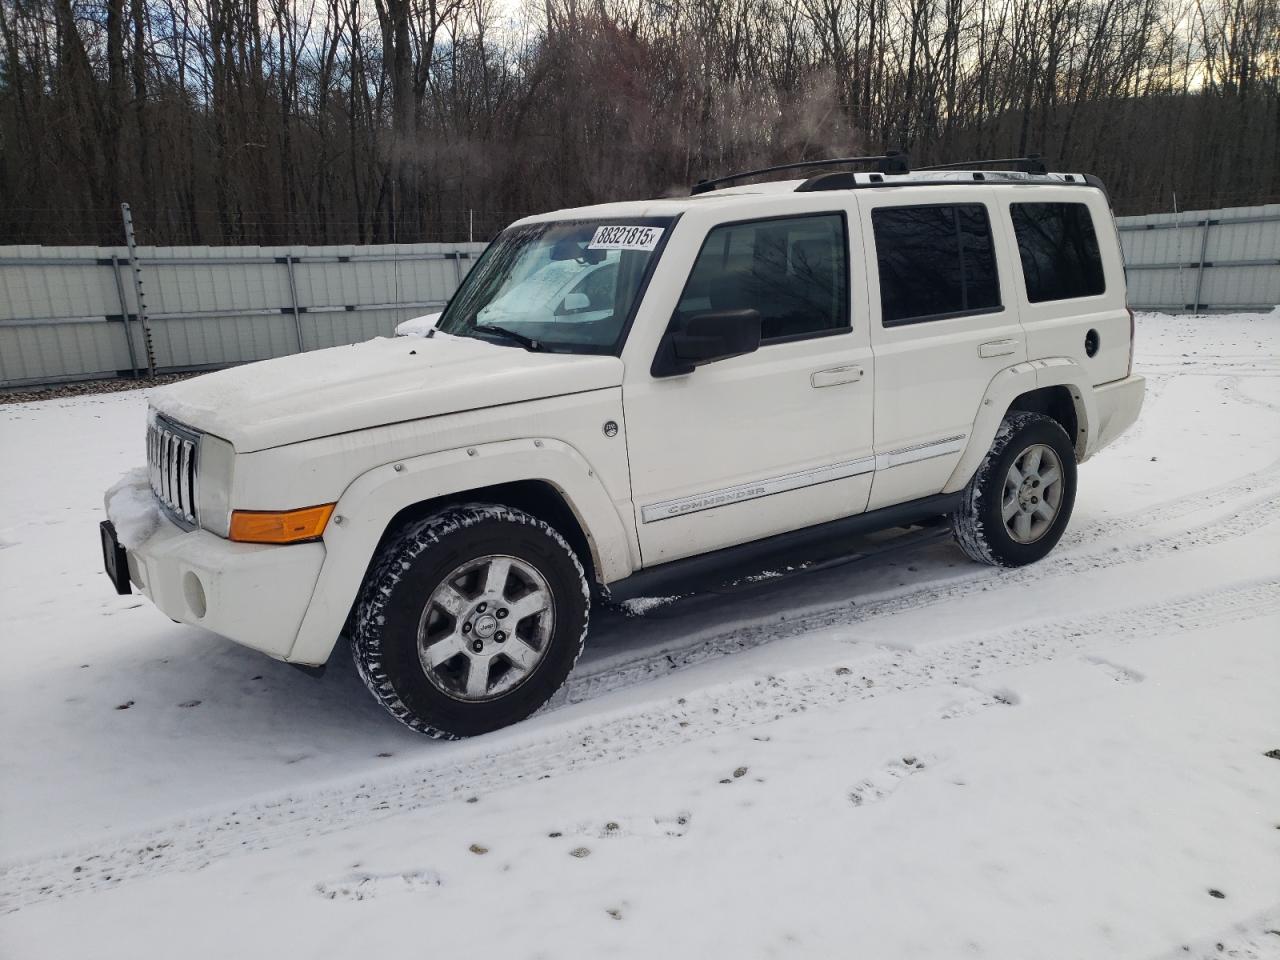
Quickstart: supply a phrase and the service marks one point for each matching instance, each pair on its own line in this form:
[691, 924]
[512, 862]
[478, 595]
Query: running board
[664, 577]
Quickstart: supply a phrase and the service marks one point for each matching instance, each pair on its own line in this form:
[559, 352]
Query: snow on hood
[382, 381]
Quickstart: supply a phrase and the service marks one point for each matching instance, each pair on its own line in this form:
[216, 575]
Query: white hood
[341, 389]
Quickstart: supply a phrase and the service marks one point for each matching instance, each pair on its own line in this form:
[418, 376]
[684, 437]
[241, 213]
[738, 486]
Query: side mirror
[418, 326]
[706, 338]
[575, 303]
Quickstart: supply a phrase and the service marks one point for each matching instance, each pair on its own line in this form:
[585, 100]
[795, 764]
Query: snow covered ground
[882, 751]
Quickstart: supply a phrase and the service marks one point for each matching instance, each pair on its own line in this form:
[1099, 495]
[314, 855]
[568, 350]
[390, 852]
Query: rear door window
[794, 271]
[935, 261]
[1059, 251]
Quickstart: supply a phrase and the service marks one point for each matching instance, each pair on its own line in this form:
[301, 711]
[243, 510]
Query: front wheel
[470, 620]
[1016, 507]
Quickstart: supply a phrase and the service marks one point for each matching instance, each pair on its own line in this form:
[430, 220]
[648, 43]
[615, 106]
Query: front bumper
[1118, 405]
[254, 594]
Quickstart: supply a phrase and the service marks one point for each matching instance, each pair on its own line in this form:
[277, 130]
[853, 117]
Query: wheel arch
[1056, 387]
[547, 478]
[537, 497]
[1060, 403]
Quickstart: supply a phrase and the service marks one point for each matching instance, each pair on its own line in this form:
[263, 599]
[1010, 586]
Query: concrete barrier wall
[1203, 260]
[71, 313]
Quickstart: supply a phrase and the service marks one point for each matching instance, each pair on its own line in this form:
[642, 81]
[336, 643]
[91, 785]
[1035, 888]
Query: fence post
[293, 299]
[1204, 246]
[137, 288]
[127, 324]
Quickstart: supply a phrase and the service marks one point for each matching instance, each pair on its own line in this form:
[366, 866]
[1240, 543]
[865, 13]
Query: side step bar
[664, 577]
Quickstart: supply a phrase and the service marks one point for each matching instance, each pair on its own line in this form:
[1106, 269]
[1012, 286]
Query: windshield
[566, 285]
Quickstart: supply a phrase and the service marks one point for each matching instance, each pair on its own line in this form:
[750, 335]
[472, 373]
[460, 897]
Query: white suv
[617, 388]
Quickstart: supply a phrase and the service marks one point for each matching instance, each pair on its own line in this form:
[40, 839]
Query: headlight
[217, 461]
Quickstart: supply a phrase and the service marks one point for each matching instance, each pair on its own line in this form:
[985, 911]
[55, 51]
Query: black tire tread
[967, 523]
[394, 559]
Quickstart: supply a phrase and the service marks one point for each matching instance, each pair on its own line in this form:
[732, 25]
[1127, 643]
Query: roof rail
[891, 162]
[1031, 163]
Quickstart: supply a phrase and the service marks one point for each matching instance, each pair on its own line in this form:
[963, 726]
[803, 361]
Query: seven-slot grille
[171, 465]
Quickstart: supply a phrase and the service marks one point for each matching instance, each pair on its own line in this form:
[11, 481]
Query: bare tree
[262, 121]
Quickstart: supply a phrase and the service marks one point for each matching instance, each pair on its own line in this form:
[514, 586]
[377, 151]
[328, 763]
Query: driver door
[768, 442]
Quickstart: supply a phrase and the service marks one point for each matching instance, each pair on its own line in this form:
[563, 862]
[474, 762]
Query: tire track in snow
[1208, 366]
[195, 843]
[1233, 387]
[1258, 510]
[1207, 498]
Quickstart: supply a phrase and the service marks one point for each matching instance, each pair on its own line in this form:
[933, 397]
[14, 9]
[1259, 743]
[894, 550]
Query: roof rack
[1031, 163]
[892, 162]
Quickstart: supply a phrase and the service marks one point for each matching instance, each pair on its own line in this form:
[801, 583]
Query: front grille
[172, 451]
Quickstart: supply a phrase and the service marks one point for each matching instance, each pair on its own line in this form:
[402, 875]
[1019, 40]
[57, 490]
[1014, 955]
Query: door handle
[997, 348]
[836, 375]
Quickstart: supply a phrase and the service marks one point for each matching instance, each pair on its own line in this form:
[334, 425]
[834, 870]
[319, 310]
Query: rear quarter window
[1058, 247]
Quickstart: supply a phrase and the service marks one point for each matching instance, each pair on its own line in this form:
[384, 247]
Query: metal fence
[1199, 261]
[79, 313]
[72, 313]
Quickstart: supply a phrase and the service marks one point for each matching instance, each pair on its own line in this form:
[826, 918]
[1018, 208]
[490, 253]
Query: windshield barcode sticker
[625, 238]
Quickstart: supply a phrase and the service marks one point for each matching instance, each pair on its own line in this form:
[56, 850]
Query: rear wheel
[1018, 503]
[470, 620]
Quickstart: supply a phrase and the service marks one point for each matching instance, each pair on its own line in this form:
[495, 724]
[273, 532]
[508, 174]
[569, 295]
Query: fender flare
[373, 499]
[1005, 387]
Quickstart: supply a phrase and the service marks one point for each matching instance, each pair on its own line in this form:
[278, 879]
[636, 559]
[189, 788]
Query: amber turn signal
[289, 526]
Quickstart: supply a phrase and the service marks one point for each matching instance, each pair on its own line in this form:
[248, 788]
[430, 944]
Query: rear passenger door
[944, 321]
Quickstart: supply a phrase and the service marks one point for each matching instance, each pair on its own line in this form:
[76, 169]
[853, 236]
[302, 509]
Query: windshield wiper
[527, 342]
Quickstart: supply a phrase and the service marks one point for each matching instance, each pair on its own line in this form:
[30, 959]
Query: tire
[445, 649]
[1040, 508]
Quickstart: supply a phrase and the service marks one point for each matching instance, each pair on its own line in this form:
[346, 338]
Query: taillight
[1133, 326]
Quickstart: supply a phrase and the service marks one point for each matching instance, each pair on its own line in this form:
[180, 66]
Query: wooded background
[369, 121]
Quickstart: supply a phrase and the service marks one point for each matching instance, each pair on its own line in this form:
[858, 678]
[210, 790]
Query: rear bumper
[1117, 406]
[253, 594]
